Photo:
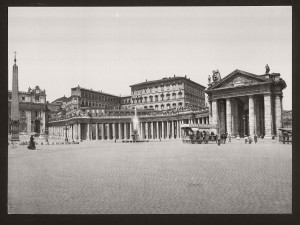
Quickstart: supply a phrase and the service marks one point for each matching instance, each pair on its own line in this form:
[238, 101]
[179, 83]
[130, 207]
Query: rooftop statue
[267, 69]
[216, 76]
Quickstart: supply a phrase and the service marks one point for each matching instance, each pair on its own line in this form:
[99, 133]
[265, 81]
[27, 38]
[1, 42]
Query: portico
[246, 104]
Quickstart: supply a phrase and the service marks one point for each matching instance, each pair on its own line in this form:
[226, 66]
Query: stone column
[168, 129]
[162, 130]
[228, 116]
[278, 113]
[108, 131]
[214, 119]
[258, 119]
[178, 129]
[173, 129]
[102, 131]
[125, 131]
[146, 130]
[268, 116]
[251, 115]
[114, 130]
[28, 117]
[130, 130]
[79, 131]
[120, 131]
[141, 130]
[152, 130]
[157, 130]
[88, 132]
[222, 117]
[97, 136]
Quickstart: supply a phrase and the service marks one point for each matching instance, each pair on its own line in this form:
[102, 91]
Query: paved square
[155, 177]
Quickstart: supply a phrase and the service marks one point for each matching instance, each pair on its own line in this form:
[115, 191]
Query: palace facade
[32, 111]
[163, 105]
[168, 93]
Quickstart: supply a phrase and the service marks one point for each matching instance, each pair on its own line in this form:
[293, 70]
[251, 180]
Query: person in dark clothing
[255, 138]
[31, 143]
[218, 138]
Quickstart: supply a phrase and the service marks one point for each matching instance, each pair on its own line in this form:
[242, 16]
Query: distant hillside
[286, 118]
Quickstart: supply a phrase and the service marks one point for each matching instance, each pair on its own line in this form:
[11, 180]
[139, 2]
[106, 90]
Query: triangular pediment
[238, 78]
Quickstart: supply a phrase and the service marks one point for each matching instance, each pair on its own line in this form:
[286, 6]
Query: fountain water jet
[135, 129]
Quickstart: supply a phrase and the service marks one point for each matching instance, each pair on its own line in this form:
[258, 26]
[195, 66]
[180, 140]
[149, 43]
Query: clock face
[37, 91]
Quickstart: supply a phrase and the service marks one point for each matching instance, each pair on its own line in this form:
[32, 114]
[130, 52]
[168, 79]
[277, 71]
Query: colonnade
[263, 117]
[168, 129]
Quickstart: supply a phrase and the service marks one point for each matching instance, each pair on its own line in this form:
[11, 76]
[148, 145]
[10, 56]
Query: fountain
[136, 129]
[135, 122]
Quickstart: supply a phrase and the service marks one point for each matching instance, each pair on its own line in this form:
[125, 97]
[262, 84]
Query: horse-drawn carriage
[198, 133]
[285, 135]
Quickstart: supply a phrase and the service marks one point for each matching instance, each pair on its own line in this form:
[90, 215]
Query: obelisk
[15, 116]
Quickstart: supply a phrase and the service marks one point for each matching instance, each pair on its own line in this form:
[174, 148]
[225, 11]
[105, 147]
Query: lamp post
[66, 129]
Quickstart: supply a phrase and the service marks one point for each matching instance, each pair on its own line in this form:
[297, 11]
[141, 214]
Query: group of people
[248, 139]
[221, 138]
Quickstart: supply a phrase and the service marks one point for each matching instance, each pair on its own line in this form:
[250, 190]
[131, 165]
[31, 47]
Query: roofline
[99, 92]
[232, 73]
[165, 80]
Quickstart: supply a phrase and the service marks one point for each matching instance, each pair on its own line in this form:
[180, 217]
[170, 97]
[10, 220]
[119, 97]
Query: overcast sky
[110, 48]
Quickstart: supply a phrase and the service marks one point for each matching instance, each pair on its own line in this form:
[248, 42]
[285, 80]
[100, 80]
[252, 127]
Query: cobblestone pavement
[156, 177]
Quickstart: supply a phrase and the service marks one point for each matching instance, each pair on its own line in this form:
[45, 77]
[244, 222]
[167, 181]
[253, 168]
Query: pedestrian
[237, 137]
[229, 138]
[246, 139]
[218, 138]
[225, 137]
[255, 138]
[273, 139]
[115, 140]
[250, 139]
[31, 143]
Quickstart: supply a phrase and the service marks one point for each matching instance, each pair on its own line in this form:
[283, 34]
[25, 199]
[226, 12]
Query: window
[23, 98]
[37, 98]
[168, 96]
[162, 97]
[162, 106]
[151, 98]
[156, 98]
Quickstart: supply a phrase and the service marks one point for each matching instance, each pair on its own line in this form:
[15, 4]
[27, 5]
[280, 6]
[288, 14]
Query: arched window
[168, 106]
[151, 98]
[168, 96]
[151, 107]
[162, 106]
[156, 107]
[174, 105]
[162, 97]
[174, 95]
[145, 107]
[156, 98]
[145, 99]
[180, 94]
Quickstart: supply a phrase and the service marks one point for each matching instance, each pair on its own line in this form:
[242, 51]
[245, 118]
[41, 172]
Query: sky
[110, 48]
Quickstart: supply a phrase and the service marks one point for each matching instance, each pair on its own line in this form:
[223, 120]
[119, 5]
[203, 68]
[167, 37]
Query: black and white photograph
[150, 110]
